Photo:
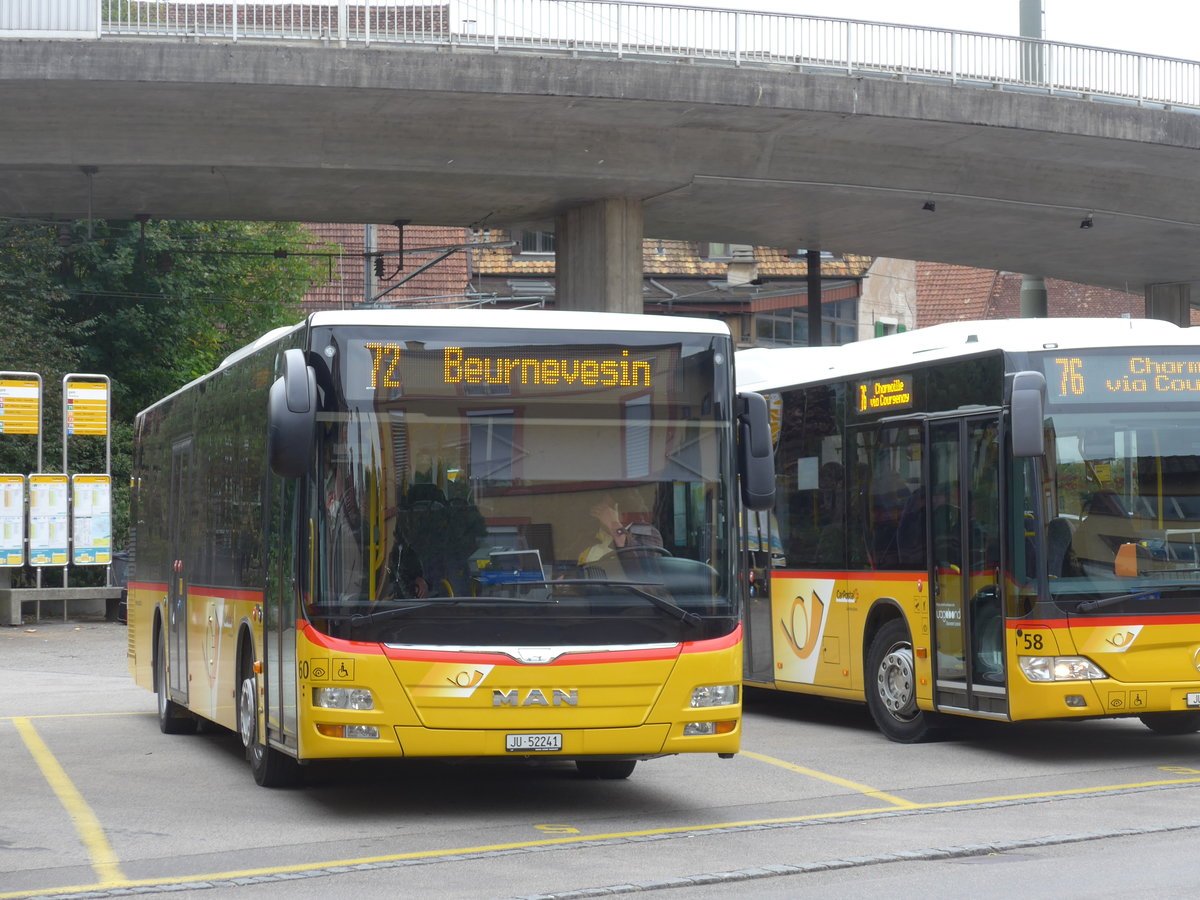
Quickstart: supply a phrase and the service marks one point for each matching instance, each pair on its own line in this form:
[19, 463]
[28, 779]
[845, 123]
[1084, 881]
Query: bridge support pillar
[1172, 302]
[598, 249]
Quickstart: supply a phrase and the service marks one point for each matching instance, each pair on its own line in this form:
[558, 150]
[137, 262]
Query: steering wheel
[653, 548]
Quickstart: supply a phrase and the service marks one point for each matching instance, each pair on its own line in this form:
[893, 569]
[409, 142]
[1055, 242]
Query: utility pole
[370, 254]
[814, 297]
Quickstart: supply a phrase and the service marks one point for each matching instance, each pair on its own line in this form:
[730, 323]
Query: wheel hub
[247, 712]
[896, 682]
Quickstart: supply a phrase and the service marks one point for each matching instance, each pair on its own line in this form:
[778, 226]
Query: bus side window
[812, 504]
[887, 478]
[910, 532]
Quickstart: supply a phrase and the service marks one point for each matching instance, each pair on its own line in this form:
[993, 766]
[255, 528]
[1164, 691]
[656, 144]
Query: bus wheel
[1182, 722]
[269, 767]
[172, 718]
[610, 769]
[892, 687]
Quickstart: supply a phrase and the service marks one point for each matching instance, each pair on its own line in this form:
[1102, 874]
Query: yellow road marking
[580, 839]
[105, 863]
[832, 779]
[104, 860]
[77, 715]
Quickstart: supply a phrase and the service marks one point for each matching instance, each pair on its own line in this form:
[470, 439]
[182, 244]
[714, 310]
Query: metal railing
[615, 28]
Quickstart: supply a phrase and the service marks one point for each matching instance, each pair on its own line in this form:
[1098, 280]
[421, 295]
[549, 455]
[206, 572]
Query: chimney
[743, 267]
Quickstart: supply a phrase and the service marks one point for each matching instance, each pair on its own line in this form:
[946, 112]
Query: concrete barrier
[11, 600]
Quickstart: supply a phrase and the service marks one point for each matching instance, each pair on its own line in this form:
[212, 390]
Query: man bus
[993, 519]
[360, 537]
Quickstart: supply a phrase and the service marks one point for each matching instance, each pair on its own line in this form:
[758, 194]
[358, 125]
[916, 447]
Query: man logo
[535, 697]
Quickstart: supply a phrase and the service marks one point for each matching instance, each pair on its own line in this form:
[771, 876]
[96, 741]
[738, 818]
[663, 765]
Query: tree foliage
[152, 305]
[162, 303]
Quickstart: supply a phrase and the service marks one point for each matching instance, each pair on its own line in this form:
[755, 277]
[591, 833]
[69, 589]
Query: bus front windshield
[476, 490]
[1122, 500]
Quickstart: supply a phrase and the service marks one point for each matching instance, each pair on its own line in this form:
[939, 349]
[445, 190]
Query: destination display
[394, 369]
[895, 392]
[1171, 376]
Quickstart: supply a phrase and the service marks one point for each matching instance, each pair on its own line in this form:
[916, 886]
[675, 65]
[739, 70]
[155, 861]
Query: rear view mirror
[1028, 413]
[756, 462]
[292, 416]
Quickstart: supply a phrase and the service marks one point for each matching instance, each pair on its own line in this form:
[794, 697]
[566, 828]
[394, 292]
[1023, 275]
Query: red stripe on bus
[905, 575]
[1104, 621]
[634, 654]
[603, 657]
[200, 590]
[715, 644]
[147, 586]
[225, 593]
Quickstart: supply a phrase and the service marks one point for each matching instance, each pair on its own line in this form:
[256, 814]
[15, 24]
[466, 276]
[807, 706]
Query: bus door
[280, 608]
[757, 538]
[964, 493]
[177, 579]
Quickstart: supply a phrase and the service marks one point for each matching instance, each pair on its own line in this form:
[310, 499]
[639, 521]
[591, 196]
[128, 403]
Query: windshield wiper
[1087, 606]
[635, 588]
[432, 603]
[361, 618]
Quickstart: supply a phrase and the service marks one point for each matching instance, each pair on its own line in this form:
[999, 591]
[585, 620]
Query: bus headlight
[693, 729]
[368, 732]
[343, 698]
[715, 695]
[1060, 668]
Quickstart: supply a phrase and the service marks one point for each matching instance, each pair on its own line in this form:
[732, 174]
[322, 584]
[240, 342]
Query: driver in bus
[614, 536]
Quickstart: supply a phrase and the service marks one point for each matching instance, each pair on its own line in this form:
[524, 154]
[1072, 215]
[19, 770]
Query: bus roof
[491, 318]
[771, 368]
[520, 318]
[528, 319]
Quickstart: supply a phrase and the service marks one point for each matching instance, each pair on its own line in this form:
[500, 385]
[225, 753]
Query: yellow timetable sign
[87, 407]
[20, 401]
[12, 520]
[91, 520]
[49, 528]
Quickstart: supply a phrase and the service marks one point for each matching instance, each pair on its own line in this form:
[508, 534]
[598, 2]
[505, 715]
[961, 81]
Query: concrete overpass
[606, 149]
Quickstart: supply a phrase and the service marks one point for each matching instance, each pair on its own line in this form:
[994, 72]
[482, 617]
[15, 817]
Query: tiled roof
[660, 257]
[683, 295]
[345, 285]
[451, 277]
[948, 293]
[952, 293]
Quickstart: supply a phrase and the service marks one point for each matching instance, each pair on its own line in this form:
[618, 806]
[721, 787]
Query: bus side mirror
[1028, 412]
[756, 462]
[292, 417]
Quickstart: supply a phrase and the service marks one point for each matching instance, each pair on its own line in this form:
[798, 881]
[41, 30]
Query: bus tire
[269, 767]
[892, 687]
[608, 769]
[1182, 722]
[172, 718]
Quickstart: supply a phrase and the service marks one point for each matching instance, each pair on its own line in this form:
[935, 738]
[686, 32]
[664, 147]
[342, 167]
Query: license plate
[532, 743]
[1193, 698]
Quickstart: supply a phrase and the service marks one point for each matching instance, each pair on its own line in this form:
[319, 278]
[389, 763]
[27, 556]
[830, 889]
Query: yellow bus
[993, 519]
[450, 533]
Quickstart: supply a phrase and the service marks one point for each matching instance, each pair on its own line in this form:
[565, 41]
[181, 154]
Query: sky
[1159, 27]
